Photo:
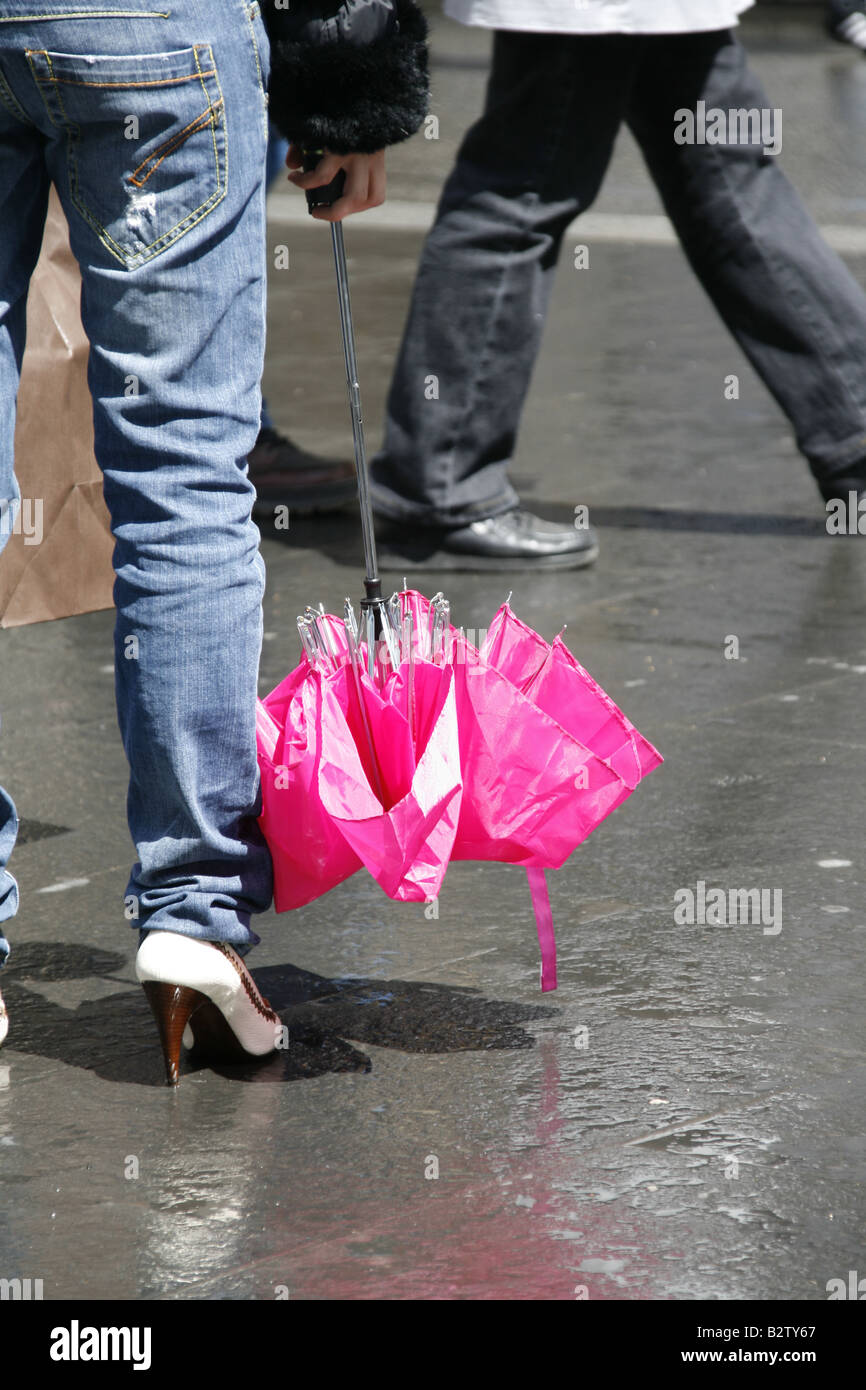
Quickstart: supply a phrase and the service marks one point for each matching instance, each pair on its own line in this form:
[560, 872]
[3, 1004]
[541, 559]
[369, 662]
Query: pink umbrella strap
[544, 923]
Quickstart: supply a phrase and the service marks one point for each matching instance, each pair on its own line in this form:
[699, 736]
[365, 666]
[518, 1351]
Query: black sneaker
[846, 21]
[515, 540]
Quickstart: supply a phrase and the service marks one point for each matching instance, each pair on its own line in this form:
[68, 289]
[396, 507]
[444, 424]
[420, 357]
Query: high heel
[4, 1020]
[172, 1006]
[204, 985]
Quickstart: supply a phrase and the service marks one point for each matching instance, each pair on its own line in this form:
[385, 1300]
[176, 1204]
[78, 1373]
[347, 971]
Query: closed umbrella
[397, 745]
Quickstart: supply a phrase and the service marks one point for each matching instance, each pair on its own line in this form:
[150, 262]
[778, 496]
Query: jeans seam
[85, 14]
[156, 82]
[213, 129]
[251, 12]
[7, 96]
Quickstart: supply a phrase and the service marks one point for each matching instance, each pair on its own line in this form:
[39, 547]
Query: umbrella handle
[329, 193]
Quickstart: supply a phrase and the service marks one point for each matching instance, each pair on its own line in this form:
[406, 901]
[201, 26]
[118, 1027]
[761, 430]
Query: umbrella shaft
[354, 401]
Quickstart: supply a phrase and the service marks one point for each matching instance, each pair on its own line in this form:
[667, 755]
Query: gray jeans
[536, 158]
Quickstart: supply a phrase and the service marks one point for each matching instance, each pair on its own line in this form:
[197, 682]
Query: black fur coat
[347, 75]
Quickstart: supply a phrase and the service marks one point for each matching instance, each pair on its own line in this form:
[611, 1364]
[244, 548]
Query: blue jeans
[275, 166]
[152, 125]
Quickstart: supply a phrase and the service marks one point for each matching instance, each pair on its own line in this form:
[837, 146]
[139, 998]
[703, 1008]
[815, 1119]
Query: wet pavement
[683, 1118]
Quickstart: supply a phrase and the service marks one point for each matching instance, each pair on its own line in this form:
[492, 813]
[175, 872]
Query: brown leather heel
[173, 1006]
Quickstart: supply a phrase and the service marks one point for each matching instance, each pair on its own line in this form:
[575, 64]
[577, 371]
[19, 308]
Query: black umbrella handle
[322, 197]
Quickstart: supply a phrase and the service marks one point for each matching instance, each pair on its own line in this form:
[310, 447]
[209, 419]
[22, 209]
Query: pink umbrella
[401, 747]
[401, 761]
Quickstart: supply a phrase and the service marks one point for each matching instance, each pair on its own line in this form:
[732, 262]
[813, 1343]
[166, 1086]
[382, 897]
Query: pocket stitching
[157, 81]
[206, 117]
[73, 132]
[201, 212]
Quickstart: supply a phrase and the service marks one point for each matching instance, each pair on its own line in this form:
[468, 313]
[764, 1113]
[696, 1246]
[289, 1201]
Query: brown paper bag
[57, 559]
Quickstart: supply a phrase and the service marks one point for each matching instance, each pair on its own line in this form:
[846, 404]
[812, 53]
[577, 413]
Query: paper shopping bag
[57, 558]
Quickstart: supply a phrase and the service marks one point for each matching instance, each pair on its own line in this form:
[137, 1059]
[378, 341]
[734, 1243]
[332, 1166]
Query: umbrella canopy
[400, 760]
[359, 773]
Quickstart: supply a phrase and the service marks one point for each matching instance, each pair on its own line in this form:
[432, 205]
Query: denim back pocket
[147, 157]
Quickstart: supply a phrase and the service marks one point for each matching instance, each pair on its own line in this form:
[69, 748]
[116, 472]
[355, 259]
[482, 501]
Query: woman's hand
[365, 181]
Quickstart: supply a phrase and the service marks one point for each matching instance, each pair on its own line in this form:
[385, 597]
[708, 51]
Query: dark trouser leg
[791, 304]
[535, 158]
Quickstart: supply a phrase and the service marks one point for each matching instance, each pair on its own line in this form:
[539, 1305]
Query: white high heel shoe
[4, 1021]
[205, 985]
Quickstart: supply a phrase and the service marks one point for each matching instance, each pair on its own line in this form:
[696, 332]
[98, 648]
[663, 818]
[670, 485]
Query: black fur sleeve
[349, 77]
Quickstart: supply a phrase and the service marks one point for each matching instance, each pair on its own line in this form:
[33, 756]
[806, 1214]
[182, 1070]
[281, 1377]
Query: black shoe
[515, 540]
[284, 475]
[846, 21]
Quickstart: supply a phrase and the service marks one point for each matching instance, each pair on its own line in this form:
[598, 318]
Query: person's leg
[157, 147]
[794, 308]
[535, 158]
[23, 201]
